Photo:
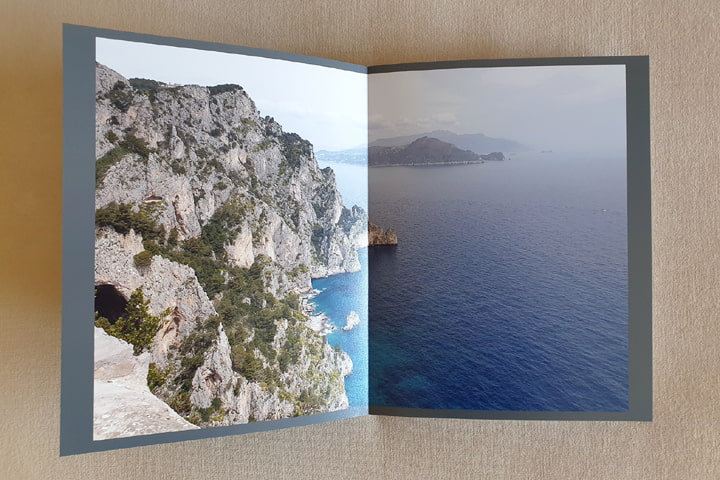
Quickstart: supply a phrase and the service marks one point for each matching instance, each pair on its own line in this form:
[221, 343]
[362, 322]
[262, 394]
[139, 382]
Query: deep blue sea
[508, 289]
[339, 295]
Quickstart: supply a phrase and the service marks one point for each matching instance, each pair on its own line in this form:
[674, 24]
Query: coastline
[335, 297]
[428, 164]
[317, 321]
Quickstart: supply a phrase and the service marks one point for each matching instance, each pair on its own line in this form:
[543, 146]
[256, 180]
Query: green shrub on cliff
[295, 149]
[120, 96]
[130, 144]
[251, 367]
[226, 87]
[213, 412]
[134, 144]
[155, 377]
[122, 219]
[111, 136]
[180, 402]
[137, 326]
[103, 164]
[146, 86]
[143, 259]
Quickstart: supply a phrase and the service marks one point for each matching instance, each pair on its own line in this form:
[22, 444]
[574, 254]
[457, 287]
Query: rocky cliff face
[123, 405]
[220, 219]
[186, 151]
[169, 286]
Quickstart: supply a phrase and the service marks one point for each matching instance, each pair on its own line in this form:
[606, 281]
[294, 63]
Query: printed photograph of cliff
[212, 225]
[504, 286]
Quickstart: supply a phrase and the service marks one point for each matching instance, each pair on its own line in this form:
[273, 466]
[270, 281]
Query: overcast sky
[327, 106]
[564, 108]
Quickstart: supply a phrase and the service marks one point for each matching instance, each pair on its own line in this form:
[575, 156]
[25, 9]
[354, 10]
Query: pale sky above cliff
[327, 106]
[570, 108]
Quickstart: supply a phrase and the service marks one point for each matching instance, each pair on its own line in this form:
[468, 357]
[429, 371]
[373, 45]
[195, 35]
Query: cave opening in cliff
[109, 303]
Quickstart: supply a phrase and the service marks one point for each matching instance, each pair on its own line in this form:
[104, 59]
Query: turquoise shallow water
[339, 295]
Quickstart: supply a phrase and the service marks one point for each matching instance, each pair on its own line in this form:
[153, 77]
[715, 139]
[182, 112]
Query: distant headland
[426, 151]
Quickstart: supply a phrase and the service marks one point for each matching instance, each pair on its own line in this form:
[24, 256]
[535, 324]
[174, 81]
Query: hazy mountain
[425, 151]
[352, 156]
[475, 142]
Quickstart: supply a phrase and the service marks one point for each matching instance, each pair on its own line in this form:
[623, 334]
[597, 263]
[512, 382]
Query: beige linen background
[682, 41]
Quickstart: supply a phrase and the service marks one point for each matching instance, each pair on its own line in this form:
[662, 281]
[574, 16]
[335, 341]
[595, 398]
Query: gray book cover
[220, 277]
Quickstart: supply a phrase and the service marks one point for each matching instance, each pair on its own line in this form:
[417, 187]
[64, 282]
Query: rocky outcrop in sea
[378, 236]
[352, 321]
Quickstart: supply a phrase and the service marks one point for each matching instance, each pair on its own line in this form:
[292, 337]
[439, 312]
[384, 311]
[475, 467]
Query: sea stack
[378, 236]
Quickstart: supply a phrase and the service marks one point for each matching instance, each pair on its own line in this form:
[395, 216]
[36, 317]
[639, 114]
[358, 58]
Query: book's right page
[515, 279]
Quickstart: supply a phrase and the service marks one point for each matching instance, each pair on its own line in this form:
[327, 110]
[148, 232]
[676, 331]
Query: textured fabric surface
[681, 39]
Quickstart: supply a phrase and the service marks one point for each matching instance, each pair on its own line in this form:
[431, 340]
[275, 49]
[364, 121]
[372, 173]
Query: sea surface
[508, 288]
[346, 292]
[339, 295]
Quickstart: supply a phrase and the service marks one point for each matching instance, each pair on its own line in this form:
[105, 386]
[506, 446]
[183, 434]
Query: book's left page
[214, 273]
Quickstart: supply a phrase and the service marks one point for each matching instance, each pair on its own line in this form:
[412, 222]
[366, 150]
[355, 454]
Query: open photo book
[269, 240]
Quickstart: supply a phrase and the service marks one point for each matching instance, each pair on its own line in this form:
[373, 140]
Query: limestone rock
[168, 285]
[193, 149]
[123, 405]
[353, 320]
[378, 236]
[215, 376]
[249, 201]
[241, 250]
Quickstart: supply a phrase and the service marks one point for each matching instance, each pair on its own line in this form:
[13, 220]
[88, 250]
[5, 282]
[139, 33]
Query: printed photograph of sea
[508, 286]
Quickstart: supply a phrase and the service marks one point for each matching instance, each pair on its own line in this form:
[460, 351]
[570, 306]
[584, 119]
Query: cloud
[445, 119]
[579, 106]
